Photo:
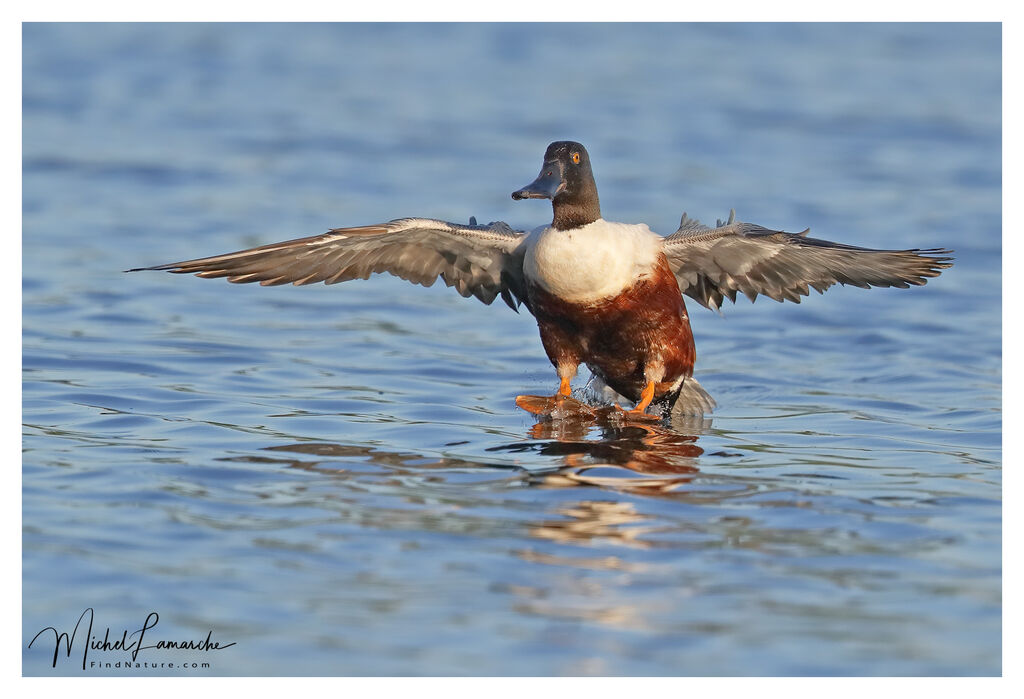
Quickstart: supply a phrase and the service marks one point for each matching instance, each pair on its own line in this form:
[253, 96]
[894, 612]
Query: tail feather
[693, 399]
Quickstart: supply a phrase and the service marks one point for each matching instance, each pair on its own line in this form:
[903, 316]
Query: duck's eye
[576, 158]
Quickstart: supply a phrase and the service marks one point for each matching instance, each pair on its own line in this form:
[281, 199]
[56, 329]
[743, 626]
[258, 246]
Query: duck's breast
[593, 262]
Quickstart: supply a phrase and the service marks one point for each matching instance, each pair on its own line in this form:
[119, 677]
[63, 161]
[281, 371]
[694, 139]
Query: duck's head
[567, 180]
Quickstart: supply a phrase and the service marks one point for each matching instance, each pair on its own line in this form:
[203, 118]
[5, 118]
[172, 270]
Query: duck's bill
[547, 185]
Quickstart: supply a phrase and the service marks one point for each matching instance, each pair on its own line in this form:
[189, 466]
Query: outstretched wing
[481, 261]
[713, 263]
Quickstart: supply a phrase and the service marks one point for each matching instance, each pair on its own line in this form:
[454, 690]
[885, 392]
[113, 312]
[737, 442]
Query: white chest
[591, 263]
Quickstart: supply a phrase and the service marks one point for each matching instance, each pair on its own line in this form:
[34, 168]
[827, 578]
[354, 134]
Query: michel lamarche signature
[132, 643]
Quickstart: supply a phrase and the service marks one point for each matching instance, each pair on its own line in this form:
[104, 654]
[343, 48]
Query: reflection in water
[640, 458]
[594, 521]
[643, 458]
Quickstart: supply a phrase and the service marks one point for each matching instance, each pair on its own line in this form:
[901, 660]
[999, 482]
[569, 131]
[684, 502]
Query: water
[336, 479]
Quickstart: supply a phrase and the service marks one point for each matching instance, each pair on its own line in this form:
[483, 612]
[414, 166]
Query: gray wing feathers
[691, 225]
[480, 261]
[711, 264]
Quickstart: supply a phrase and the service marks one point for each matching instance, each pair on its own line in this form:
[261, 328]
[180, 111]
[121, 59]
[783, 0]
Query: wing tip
[156, 268]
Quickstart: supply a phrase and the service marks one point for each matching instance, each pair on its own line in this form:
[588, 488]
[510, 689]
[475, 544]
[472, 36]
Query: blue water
[336, 479]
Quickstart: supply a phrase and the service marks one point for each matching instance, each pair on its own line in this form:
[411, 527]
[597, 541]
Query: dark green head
[567, 180]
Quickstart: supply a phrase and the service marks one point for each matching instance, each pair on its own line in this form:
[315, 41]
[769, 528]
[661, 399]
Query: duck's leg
[639, 411]
[562, 345]
[646, 396]
[566, 371]
[654, 372]
[542, 405]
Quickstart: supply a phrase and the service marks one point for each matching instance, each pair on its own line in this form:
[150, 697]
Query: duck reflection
[603, 449]
[593, 521]
[638, 457]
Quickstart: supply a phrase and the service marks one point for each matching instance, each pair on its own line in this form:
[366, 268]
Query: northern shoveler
[609, 295]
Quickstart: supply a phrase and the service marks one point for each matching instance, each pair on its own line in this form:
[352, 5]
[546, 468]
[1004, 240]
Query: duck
[606, 295]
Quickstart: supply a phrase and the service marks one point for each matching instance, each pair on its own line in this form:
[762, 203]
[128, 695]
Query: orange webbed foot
[537, 405]
[560, 405]
[639, 412]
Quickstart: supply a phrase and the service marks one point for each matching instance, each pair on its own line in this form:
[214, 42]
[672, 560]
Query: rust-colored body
[640, 335]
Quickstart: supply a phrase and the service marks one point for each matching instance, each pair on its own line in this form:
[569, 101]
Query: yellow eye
[576, 158]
